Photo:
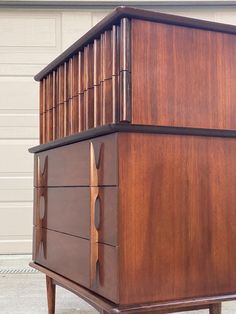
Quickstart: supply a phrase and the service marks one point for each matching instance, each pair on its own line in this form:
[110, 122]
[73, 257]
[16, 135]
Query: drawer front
[70, 257]
[67, 210]
[92, 162]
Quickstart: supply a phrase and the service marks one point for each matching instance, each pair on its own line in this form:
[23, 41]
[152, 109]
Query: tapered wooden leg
[215, 308]
[51, 295]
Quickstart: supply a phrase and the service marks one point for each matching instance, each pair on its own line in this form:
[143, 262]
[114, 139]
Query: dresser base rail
[104, 306]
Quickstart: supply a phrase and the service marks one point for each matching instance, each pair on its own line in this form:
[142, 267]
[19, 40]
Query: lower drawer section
[69, 256]
[67, 210]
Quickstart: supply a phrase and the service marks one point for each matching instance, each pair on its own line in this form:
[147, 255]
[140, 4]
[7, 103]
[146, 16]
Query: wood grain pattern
[97, 105]
[107, 108]
[97, 62]
[65, 100]
[70, 165]
[69, 256]
[51, 295]
[190, 87]
[75, 220]
[81, 126]
[88, 66]
[100, 304]
[125, 45]
[80, 72]
[89, 108]
[115, 50]
[134, 13]
[177, 213]
[75, 114]
[107, 55]
[125, 112]
[54, 105]
[64, 254]
[41, 111]
[215, 308]
[115, 99]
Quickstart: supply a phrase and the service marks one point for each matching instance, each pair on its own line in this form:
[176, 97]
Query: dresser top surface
[133, 128]
[129, 12]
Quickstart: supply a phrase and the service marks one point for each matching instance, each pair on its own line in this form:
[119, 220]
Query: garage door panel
[13, 91]
[15, 126]
[16, 195]
[15, 156]
[16, 188]
[17, 212]
[18, 181]
[29, 29]
[14, 132]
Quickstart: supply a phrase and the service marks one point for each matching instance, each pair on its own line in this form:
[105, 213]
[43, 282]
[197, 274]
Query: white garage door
[29, 39]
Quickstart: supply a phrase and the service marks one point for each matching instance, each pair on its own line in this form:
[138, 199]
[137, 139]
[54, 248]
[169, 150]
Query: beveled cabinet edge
[136, 128]
[129, 12]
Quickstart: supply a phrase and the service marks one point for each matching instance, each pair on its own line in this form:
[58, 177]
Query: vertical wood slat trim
[80, 72]
[115, 72]
[96, 62]
[57, 103]
[69, 97]
[125, 45]
[88, 88]
[101, 57]
[97, 82]
[41, 111]
[61, 102]
[65, 100]
[107, 55]
[44, 111]
[115, 98]
[54, 104]
[74, 109]
[65, 83]
[115, 50]
[50, 106]
[125, 96]
[125, 71]
[81, 111]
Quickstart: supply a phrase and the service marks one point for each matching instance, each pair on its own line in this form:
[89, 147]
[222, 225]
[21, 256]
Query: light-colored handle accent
[93, 238]
[96, 150]
[40, 211]
[41, 173]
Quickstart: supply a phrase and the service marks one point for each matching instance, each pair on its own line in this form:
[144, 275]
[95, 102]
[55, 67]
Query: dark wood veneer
[135, 176]
[67, 210]
[183, 75]
[176, 216]
[128, 12]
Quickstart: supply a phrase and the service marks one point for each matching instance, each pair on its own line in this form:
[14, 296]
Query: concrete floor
[25, 293]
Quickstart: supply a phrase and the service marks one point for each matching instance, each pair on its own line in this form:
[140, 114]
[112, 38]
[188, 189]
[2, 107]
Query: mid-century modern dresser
[135, 174]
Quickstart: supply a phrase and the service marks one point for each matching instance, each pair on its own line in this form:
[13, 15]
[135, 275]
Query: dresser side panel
[176, 217]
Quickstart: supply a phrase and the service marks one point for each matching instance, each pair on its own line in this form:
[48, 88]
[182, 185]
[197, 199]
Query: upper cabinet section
[90, 88]
[142, 67]
[183, 77]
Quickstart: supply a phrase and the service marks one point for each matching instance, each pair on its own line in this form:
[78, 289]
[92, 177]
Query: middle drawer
[67, 210]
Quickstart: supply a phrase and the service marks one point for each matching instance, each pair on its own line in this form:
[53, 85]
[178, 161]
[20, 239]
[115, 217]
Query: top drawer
[88, 163]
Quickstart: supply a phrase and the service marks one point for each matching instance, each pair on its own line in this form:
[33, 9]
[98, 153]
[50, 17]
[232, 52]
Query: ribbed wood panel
[90, 89]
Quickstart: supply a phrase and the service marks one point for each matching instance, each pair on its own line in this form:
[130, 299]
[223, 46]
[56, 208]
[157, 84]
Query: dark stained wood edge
[136, 128]
[102, 304]
[129, 12]
[87, 295]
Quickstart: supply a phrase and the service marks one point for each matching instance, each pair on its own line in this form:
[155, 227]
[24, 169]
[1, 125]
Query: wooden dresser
[135, 174]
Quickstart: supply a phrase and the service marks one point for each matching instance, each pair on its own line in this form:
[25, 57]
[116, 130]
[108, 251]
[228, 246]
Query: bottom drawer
[69, 256]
